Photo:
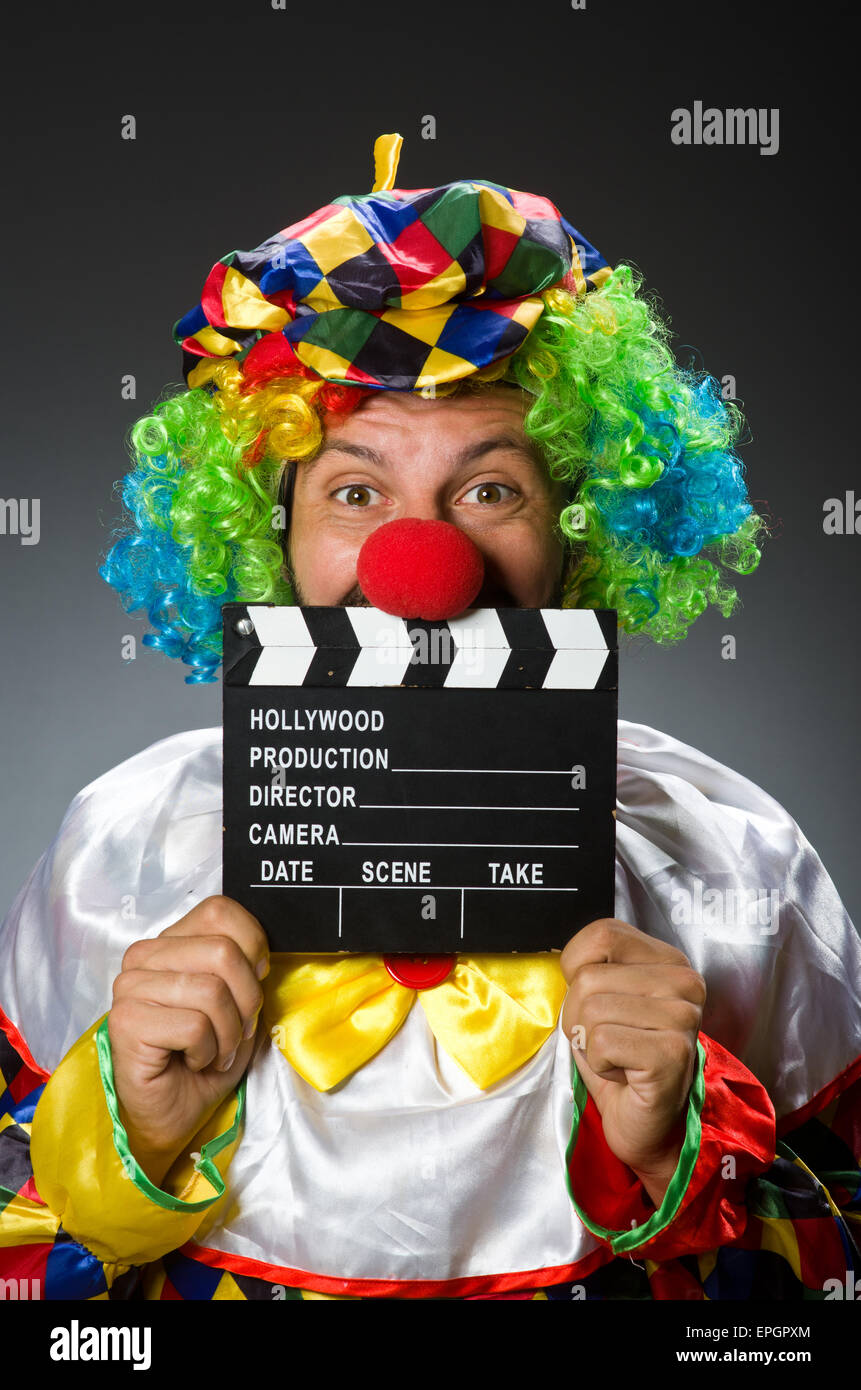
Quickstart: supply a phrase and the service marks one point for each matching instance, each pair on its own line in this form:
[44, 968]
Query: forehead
[447, 433]
[447, 438]
[401, 412]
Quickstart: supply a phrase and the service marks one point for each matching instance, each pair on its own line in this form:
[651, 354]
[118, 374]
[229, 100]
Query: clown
[191, 1116]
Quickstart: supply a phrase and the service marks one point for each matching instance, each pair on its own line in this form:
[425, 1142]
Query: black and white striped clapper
[401, 785]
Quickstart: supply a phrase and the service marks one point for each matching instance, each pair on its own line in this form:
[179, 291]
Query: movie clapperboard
[398, 785]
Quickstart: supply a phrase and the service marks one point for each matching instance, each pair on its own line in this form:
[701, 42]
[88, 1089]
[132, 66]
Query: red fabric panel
[737, 1121]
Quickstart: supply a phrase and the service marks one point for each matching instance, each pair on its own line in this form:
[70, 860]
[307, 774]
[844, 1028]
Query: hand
[633, 1012]
[182, 1025]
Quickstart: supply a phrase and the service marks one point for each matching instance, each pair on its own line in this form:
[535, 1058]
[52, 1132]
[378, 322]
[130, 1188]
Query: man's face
[462, 459]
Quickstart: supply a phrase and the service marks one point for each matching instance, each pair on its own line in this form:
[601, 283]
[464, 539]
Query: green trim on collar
[136, 1174]
[623, 1241]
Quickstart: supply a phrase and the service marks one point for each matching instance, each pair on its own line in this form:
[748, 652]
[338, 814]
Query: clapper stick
[409, 786]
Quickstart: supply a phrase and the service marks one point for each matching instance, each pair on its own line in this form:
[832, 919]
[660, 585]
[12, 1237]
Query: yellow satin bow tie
[329, 1014]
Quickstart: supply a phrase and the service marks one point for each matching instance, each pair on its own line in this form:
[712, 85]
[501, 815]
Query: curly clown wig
[300, 330]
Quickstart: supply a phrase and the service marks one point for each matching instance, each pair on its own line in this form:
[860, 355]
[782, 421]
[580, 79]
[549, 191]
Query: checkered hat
[398, 289]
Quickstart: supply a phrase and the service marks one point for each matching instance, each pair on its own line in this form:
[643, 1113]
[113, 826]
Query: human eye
[357, 494]
[489, 493]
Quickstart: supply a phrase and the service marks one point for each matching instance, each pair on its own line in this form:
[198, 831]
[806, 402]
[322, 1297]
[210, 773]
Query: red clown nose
[420, 569]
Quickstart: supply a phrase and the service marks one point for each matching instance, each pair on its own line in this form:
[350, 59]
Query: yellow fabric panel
[228, 1291]
[339, 238]
[323, 297]
[245, 305]
[426, 325]
[439, 290]
[496, 211]
[102, 1202]
[440, 367]
[322, 360]
[528, 312]
[26, 1223]
[212, 341]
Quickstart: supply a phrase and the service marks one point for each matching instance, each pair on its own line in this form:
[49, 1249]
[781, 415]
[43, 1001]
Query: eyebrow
[468, 454]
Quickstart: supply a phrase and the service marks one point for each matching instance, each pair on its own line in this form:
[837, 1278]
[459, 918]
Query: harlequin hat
[398, 289]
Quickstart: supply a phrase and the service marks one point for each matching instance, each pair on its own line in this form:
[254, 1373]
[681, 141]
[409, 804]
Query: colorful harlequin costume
[385, 1142]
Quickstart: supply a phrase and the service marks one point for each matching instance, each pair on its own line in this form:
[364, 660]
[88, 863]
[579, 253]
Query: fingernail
[262, 968]
[249, 1028]
[225, 1066]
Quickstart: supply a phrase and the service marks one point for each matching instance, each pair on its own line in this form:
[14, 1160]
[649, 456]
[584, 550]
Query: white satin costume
[406, 1175]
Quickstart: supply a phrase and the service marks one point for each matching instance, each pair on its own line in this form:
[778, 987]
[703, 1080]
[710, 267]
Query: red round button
[419, 972]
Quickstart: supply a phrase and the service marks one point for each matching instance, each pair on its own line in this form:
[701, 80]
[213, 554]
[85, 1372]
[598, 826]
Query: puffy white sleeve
[136, 850]
[709, 862]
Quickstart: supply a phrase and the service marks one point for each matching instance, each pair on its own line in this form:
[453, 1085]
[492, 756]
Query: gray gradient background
[247, 120]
